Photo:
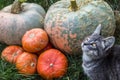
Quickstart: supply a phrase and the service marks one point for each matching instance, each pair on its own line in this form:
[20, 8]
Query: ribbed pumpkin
[68, 22]
[49, 46]
[11, 53]
[26, 63]
[52, 64]
[35, 40]
[17, 18]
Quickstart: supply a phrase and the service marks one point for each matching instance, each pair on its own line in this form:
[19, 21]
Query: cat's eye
[93, 44]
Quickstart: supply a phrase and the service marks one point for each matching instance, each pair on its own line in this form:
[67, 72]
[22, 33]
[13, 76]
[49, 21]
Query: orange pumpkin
[26, 63]
[52, 64]
[34, 40]
[49, 46]
[11, 53]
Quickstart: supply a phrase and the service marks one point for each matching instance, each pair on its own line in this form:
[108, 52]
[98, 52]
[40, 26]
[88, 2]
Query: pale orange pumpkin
[26, 63]
[11, 53]
[34, 40]
[52, 64]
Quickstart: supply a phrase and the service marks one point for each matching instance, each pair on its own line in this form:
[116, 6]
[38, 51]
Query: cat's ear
[97, 30]
[108, 42]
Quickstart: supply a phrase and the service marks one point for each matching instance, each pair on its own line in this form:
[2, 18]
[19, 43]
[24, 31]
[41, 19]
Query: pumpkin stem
[16, 6]
[51, 65]
[73, 6]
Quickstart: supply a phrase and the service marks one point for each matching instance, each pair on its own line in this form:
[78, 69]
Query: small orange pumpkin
[34, 40]
[52, 64]
[49, 46]
[11, 53]
[26, 63]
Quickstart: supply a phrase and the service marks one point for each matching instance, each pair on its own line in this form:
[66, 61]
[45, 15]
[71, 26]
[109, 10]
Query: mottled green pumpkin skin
[67, 29]
[13, 26]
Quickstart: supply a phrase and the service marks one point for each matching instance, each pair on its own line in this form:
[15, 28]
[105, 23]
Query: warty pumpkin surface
[14, 25]
[68, 22]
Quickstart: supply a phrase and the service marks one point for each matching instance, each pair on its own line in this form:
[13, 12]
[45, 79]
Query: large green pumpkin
[68, 22]
[18, 18]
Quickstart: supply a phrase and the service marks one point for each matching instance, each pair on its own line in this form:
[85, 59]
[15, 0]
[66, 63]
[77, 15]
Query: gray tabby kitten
[101, 60]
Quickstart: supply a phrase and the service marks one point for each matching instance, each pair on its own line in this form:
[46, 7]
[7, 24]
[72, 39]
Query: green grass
[75, 72]
[9, 72]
